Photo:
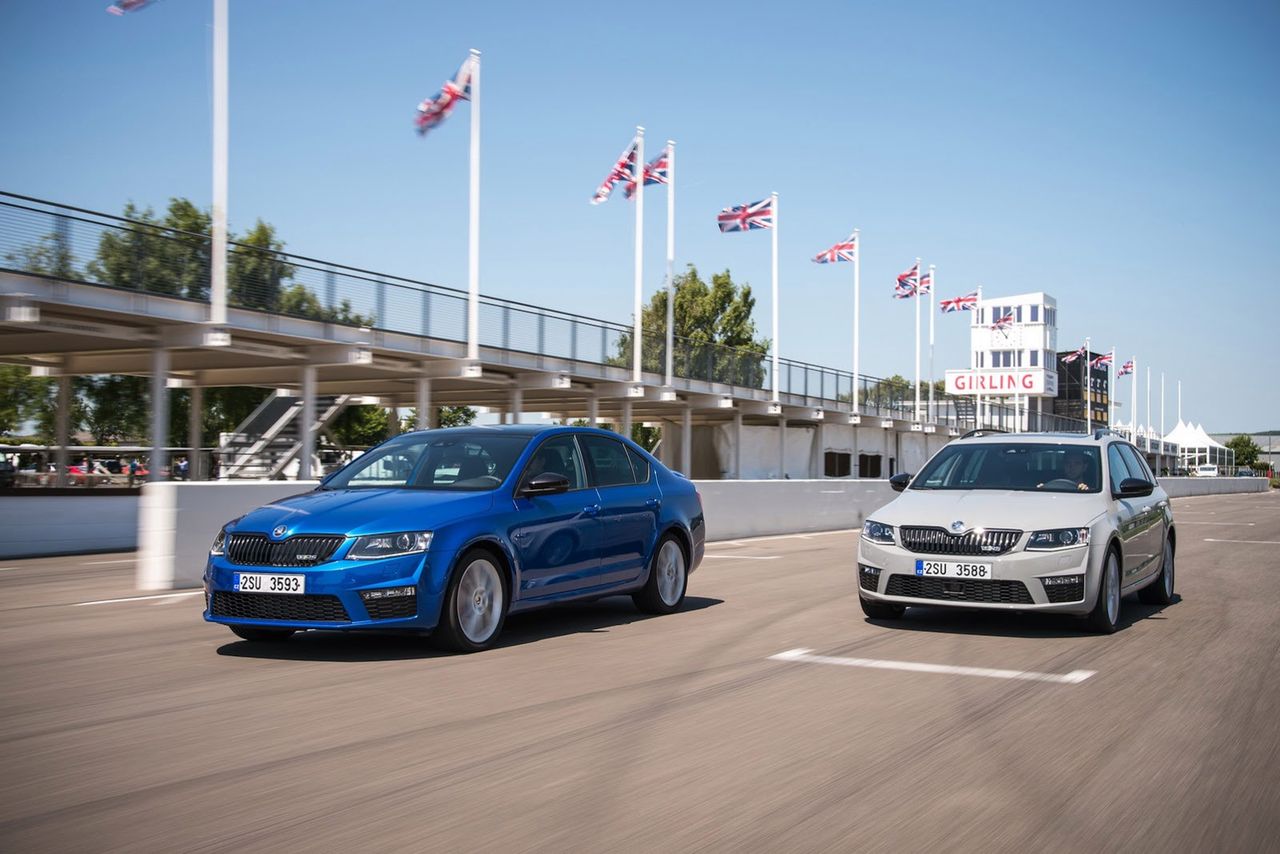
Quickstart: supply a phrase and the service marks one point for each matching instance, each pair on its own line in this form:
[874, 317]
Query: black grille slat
[968, 590]
[257, 550]
[395, 607]
[1064, 592]
[279, 606]
[936, 541]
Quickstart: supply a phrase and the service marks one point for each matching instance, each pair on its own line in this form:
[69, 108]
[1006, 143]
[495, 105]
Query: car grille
[257, 550]
[1065, 592]
[935, 541]
[279, 606]
[395, 607]
[968, 590]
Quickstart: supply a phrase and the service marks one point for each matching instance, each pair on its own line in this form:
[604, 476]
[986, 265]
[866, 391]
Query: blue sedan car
[448, 531]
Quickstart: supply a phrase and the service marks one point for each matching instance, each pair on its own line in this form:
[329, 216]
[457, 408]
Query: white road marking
[137, 598]
[1193, 522]
[20, 566]
[1251, 542]
[747, 540]
[104, 562]
[1075, 677]
[742, 557]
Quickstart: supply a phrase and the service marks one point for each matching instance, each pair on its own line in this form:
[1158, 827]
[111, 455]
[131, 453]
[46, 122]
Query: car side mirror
[899, 482]
[1135, 487]
[547, 483]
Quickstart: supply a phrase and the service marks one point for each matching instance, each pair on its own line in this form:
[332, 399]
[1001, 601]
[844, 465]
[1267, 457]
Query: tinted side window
[608, 460]
[1119, 470]
[1137, 465]
[640, 465]
[558, 454]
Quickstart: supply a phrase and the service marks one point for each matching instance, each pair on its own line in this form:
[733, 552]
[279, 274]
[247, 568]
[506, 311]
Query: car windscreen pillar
[307, 422]
[159, 412]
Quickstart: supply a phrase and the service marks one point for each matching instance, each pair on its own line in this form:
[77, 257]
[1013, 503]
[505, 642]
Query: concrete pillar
[624, 427]
[517, 403]
[422, 399]
[307, 422]
[686, 441]
[593, 411]
[62, 431]
[195, 434]
[815, 454]
[737, 444]
[782, 447]
[159, 411]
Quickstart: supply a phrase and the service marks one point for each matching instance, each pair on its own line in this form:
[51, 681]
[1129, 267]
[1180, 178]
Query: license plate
[261, 582]
[947, 569]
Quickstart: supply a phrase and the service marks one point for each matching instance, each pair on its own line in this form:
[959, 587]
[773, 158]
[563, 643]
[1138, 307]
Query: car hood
[362, 511]
[982, 508]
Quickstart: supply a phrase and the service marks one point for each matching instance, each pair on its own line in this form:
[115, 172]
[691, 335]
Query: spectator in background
[133, 470]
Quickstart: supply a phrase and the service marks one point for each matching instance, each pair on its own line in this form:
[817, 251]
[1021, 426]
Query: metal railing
[74, 244]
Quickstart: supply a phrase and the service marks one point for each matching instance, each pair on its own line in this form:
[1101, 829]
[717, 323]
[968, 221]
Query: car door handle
[591, 509]
[655, 503]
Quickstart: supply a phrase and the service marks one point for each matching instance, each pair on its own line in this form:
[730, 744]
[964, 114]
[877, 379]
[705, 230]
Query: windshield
[1023, 467]
[432, 460]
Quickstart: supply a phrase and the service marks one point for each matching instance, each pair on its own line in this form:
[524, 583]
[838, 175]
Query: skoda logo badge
[957, 526]
[278, 531]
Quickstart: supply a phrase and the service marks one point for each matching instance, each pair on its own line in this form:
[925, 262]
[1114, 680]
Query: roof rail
[1103, 431]
[982, 431]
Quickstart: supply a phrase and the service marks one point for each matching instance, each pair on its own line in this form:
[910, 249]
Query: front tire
[475, 605]
[1160, 591]
[663, 592]
[882, 610]
[254, 634]
[1105, 615]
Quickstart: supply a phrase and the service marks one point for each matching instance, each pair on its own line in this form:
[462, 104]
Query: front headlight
[1058, 538]
[219, 546]
[877, 533]
[389, 545]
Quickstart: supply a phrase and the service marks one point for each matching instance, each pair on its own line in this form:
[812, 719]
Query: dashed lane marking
[741, 557]
[1075, 677]
[137, 598]
[1248, 542]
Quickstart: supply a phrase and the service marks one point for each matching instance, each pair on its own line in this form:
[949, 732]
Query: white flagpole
[637, 337]
[1086, 380]
[1162, 406]
[933, 286]
[857, 315]
[1134, 416]
[218, 265]
[974, 317]
[1111, 389]
[1148, 407]
[671, 255]
[473, 224]
[776, 378]
[1179, 400]
[916, 295]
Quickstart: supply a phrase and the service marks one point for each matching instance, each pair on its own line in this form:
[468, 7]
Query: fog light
[1055, 580]
[387, 593]
[868, 570]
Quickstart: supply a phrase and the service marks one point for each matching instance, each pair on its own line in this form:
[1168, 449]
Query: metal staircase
[271, 437]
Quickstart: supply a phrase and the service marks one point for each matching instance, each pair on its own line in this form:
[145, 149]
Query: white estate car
[1065, 523]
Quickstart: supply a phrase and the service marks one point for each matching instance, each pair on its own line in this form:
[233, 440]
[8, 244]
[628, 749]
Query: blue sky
[1121, 157]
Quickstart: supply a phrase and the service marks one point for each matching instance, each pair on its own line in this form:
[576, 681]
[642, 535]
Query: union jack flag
[842, 251]
[747, 217]
[1125, 369]
[623, 171]
[1103, 361]
[434, 110]
[124, 6]
[908, 282]
[968, 302]
[926, 283]
[1003, 323]
[1071, 357]
[656, 171]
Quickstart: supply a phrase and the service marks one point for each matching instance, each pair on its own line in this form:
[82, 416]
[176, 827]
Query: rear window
[610, 465]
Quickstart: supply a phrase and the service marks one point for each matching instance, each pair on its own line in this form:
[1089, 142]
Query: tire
[1160, 591]
[663, 591]
[882, 610]
[475, 605]
[253, 634]
[1105, 615]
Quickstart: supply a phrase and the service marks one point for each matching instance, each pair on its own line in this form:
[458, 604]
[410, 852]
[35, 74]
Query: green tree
[149, 256]
[296, 300]
[256, 270]
[361, 425]
[715, 337]
[446, 416]
[48, 256]
[116, 408]
[1246, 450]
[21, 397]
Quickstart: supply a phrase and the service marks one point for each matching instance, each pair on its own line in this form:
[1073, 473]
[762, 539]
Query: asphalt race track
[133, 725]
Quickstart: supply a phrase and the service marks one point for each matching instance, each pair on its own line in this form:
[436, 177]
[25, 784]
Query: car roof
[1042, 438]
[519, 430]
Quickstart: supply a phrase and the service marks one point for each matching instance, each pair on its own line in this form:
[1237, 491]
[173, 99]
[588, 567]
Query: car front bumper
[332, 599]
[1017, 582]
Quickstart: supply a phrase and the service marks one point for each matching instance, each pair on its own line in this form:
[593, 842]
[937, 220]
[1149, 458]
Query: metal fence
[74, 244]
